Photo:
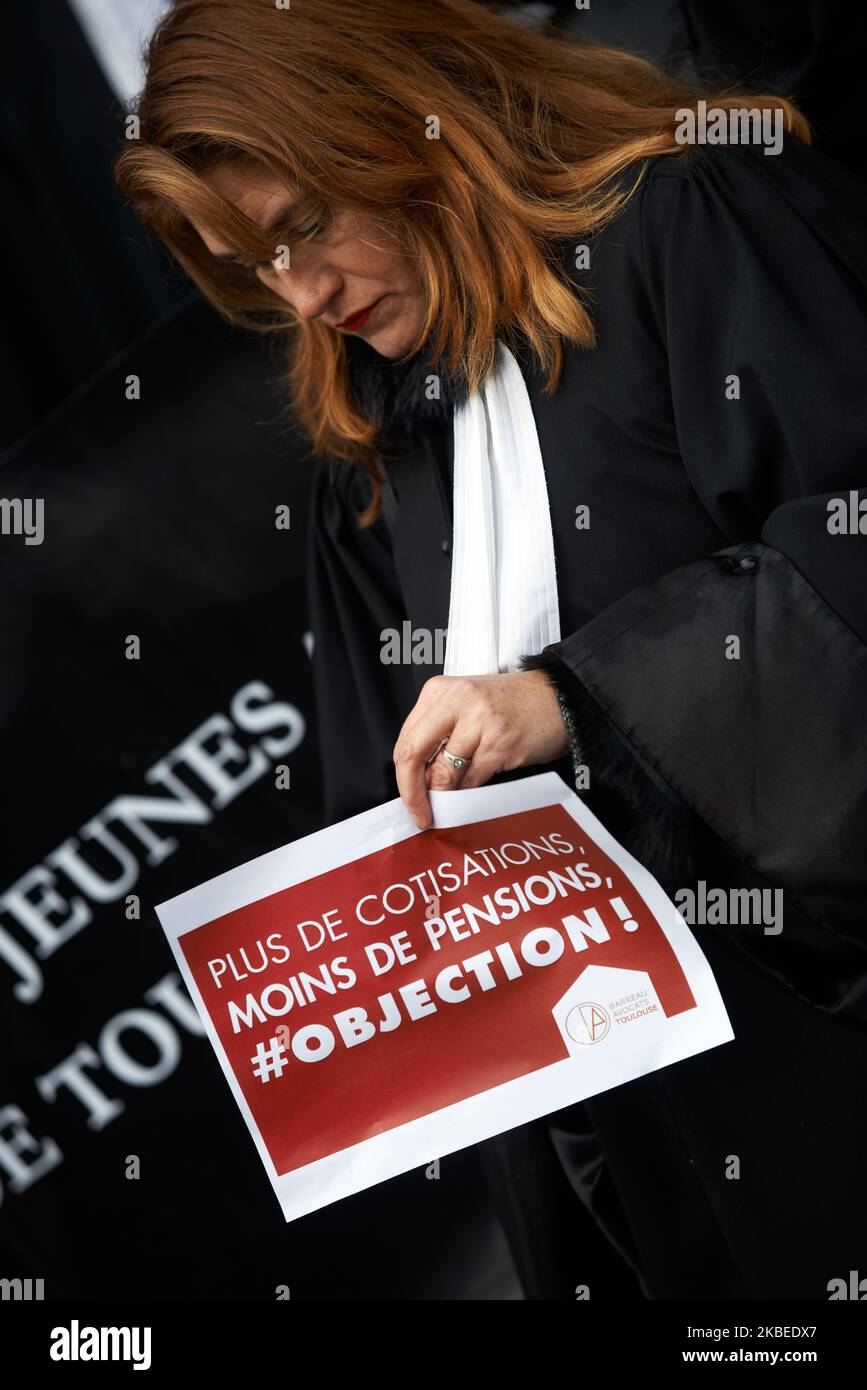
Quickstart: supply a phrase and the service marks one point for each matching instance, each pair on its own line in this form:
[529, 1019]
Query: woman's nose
[307, 291]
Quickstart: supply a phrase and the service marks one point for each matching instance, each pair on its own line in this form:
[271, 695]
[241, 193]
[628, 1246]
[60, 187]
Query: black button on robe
[722, 410]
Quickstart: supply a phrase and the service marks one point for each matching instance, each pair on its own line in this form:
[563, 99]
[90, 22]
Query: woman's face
[349, 273]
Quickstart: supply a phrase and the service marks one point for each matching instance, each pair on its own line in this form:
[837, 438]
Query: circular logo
[587, 1023]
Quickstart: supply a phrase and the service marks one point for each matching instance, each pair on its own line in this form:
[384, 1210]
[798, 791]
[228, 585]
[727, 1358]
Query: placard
[379, 996]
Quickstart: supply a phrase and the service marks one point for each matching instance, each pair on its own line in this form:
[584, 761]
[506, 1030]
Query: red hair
[336, 99]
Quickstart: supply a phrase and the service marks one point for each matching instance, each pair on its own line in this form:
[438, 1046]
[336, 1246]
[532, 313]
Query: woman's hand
[500, 722]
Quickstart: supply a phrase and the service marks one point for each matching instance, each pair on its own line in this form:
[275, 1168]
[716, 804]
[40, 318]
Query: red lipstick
[358, 320]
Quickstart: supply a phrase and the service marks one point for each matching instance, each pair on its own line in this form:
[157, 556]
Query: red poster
[379, 996]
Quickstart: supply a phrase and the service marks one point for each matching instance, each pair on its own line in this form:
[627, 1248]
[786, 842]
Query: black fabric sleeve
[354, 596]
[757, 269]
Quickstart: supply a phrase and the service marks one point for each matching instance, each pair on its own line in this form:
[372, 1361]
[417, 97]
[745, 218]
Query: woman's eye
[310, 229]
[306, 232]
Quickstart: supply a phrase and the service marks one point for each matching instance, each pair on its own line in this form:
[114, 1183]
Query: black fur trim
[644, 814]
[396, 397]
[654, 824]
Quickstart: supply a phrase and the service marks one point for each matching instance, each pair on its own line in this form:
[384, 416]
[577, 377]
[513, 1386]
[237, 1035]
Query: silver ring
[454, 760]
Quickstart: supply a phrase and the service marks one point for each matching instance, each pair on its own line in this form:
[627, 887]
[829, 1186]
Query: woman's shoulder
[773, 163]
[792, 214]
[774, 184]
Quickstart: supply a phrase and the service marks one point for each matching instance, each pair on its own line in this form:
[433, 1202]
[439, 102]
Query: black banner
[157, 730]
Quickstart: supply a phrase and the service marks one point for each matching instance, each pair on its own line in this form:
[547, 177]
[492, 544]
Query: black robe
[708, 520]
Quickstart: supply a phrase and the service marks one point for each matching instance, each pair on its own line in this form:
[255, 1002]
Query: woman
[586, 397]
